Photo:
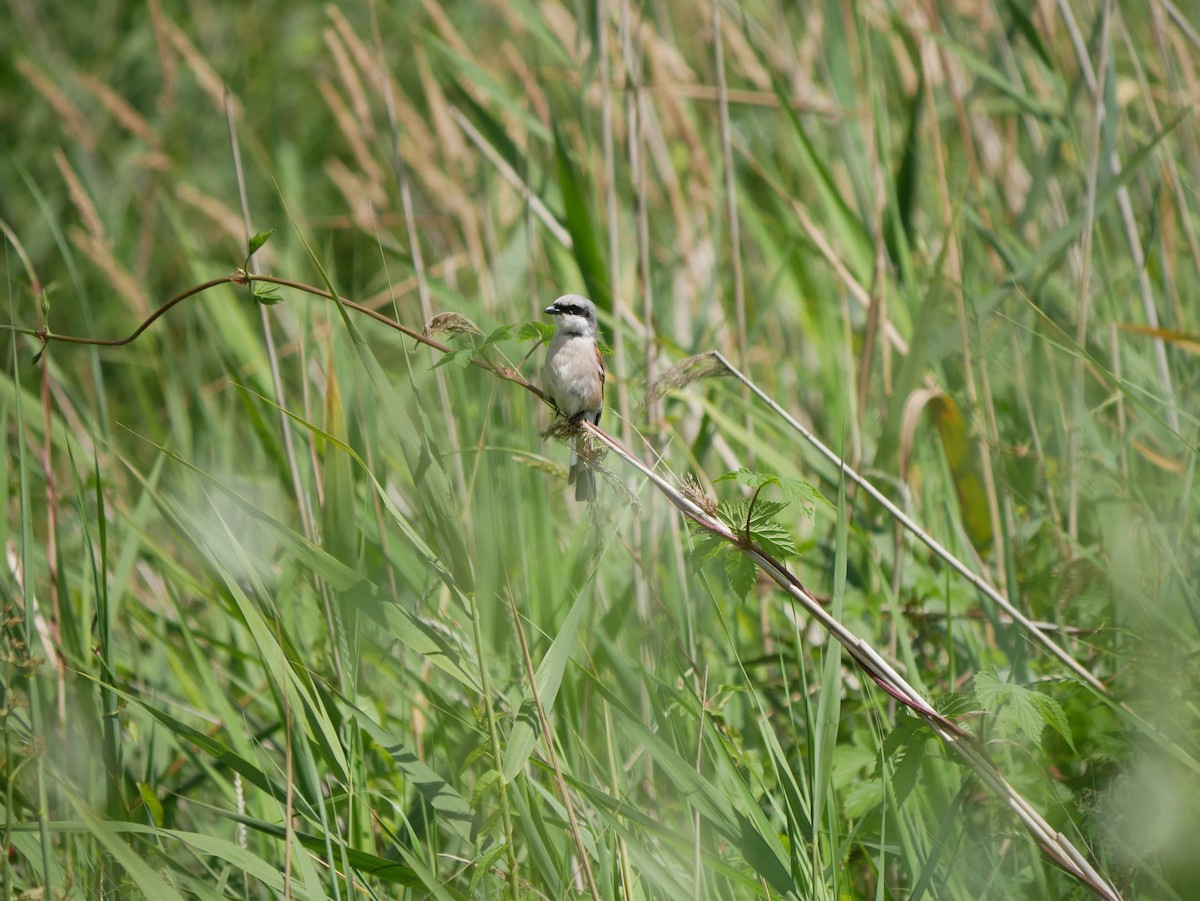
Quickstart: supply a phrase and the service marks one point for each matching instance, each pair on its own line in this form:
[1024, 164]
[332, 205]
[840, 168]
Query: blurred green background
[278, 591]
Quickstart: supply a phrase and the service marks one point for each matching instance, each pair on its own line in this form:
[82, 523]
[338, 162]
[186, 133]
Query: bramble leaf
[266, 294]
[1019, 710]
[542, 331]
[257, 240]
[741, 572]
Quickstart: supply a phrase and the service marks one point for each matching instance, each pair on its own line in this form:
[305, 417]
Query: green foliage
[1019, 712]
[268, 594]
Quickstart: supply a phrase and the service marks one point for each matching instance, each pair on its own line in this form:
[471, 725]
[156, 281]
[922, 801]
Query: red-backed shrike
[573, 378]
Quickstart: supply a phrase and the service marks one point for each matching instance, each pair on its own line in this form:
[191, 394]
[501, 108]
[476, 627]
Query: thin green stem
[497, 754]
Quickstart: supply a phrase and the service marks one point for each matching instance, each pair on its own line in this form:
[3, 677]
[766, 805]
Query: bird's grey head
[576, 315]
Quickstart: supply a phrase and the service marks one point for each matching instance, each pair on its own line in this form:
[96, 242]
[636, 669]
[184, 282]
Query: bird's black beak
[552, 310]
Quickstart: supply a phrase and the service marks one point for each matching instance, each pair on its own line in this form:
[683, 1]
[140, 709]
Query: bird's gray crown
[573, 305]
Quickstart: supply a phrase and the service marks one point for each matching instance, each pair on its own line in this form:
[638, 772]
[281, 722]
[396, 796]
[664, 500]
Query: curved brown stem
[241, 277]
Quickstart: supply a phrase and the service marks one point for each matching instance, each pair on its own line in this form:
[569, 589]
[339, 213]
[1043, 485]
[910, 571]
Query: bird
[573, 378]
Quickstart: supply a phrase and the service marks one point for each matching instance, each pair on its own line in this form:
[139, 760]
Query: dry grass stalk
[73, 120]
[206, 76]
[121, 278]
[79, 197]
[128, 118]
[351, 81]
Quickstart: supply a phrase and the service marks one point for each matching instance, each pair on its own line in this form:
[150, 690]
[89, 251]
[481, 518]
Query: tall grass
[296, 603]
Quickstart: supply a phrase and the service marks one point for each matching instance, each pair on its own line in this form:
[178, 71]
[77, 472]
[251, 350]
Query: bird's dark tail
[584, 479]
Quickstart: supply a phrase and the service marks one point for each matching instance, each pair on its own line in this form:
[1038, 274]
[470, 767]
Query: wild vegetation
[890, 590]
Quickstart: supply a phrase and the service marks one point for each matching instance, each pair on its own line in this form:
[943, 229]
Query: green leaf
[148, 881]
[258, 240]
[774, 539]
[548, 678]
[908, 769]
[153, 805]
[578, 208]
[748, 477]
[542, 331]
[1013, 707]
[265, 293]
[1053, 715]
[792, 489]
[764, 530]
[741, 572]
[862, 798]
[452, 809]
[759, 847]
[460, 357]
[706, 547]
[503, 333]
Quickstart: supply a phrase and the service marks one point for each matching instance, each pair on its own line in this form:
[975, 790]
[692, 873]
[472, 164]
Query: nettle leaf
[741, 572]
[503, 333]
[542, 331]
[862, 798]
[764, 529]
[736, 512]
[461, 357]
[807, 495]
[1053, 715]
[748, 478]
[991, 692]
[706, 546]
[907, 771]
[793, 490]
[266, 294]
[952, 704]
[1015, 708]
[774, 539]
[257, 240]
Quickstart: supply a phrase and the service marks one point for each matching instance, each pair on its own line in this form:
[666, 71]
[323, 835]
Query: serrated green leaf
[706, 548]
[460, 357]
[542, 331]
[774, 539]
[764, 529]
[904, 779]
[736, 512]
[990, 691]
[503, 333]
[257, 240]
[862, 798]
[749, 478]
[1011, 705]
[1053, 715]
[909, 730]
[741, 572]
[1026, 715]
[804, 492]
[266, 294]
